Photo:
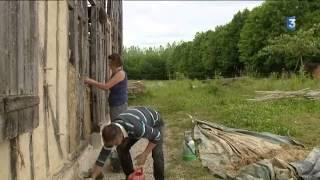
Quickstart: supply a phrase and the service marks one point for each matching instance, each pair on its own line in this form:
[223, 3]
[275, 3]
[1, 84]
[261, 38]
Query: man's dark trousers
[157, 156]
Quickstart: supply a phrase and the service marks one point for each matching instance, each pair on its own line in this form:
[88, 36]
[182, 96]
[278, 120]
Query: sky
[155, 23]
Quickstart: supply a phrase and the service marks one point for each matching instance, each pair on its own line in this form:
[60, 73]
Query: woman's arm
[105, 86]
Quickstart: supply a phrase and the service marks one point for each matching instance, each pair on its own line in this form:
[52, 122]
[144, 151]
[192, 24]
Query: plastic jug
[189, 147]
[137, 175]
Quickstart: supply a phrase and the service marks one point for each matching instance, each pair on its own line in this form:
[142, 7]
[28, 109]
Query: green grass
[226, 103]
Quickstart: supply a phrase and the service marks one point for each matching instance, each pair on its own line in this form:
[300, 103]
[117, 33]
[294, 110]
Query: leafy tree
[299, 47]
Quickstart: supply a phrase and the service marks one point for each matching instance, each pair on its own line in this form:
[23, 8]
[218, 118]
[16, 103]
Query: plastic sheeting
[310, 167]
[240, 154]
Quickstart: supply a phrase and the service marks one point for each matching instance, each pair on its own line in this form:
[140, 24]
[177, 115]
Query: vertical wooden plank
[77, 57]
[108, 52]
[78, 72]
[81, 70]
[93, 60]
[85, 40]
[26, 73]
[13, 53]
[2, 128]
[71, 36]
[56, 120]
[21, 44]
[70, 56]
[4, 54]
[55, 125]
[98, 67]
[79, 42]
[32, 65]
[109, 7]
[120, 40]
[2, 120]
[45, 90]
[46, 117]
[28, 46]
[77, 67]
[13, 157]
[85, 47]
[36, 46]
[100, 71]
[75, 31]
[32, 170]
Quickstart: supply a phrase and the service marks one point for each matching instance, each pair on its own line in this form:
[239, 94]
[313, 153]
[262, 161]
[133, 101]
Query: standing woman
[118, 85]
[118, 99]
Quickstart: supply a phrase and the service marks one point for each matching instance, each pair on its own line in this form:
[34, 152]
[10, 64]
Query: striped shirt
[138, 122]
[141, 122]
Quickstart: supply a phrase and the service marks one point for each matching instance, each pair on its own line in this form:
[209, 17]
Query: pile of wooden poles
[273, 95]
[136, 87]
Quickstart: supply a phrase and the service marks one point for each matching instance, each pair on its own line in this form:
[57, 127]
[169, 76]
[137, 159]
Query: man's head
[115, 60]
[112, 135]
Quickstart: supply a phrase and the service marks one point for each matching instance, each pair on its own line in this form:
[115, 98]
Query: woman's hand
[89, 81]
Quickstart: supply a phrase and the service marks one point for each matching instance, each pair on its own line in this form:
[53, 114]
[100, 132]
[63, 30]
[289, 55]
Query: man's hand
[141, 159]
[96, 172]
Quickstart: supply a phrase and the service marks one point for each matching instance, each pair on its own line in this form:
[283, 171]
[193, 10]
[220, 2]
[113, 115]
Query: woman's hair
[115, 59]
[110, 132]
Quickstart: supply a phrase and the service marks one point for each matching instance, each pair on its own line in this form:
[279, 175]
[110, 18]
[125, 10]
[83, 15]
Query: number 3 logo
[291, 23]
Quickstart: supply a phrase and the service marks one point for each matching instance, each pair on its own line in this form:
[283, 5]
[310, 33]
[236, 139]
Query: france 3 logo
[291, 23]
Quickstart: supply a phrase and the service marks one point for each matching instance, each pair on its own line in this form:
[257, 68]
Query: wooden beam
[2, 129]
[71, 4]
[14, 103]
[13, 158]
[32, 165]
[1, 105]
[102, 15]
[92, 2]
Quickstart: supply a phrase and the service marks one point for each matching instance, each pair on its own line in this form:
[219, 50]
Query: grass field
[225, 102]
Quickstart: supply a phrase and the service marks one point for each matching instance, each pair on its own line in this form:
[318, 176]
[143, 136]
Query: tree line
[255, 41]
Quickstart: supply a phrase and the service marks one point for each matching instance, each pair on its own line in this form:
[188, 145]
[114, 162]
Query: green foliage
[145, 64]
[296, 47]
[254, 42]
[268, 22]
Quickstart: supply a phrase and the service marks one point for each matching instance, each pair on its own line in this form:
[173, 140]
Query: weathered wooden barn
[46, 112]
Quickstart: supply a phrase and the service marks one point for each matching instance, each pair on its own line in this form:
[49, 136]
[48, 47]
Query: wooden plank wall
[79, 59]
[98, 63]
[18, 68]
[116, 17]
[91, 41]
[19, 101]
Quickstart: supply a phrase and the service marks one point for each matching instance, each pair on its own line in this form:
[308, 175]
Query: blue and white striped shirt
[138, 122]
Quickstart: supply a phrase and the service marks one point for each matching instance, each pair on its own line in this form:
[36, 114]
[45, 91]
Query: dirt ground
[88, 158]
[135, 150]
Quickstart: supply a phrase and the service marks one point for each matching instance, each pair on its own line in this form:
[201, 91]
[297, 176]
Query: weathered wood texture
[115, 15]
[105, 38]
[18, 68]
[79, 59]
[93, 35]
[98, 64]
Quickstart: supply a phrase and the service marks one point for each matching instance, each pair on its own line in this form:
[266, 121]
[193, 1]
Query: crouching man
[125, 131]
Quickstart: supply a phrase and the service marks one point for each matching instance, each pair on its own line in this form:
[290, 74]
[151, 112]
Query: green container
[189, 148]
